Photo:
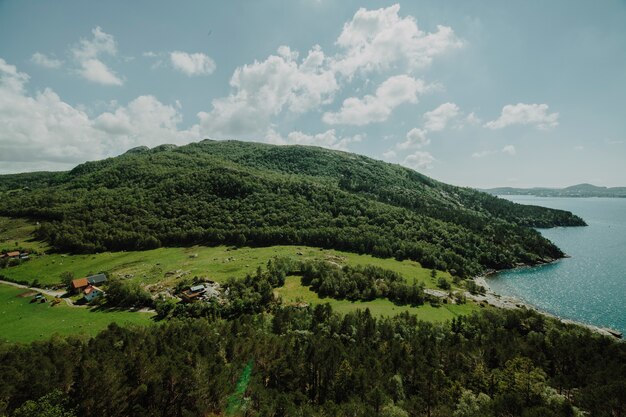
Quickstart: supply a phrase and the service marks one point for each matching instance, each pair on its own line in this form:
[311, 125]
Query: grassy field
[163, 267]
[16, 233]
[21, 321]
[166, 265]
[293, 292]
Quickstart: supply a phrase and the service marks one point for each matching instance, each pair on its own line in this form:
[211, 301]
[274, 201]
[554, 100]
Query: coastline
[507, 302]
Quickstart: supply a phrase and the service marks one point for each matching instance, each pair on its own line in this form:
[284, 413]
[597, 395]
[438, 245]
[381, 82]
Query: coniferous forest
[313, 362]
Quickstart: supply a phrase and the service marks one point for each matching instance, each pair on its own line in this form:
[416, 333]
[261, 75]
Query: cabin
[193, 293]
[92, 292]
[79, 284]
[205, 291]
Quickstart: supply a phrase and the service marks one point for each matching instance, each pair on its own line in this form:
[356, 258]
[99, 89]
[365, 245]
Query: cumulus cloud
[419, 160]
[415, 138]
[45, 61]
[390, 94]
[87, 53]
[326, 139]
[41, 130]
[525, 114]
[473, 120]
[438, 118]
[266, 88]
[192, 64]
[373, 40]
[376, 40]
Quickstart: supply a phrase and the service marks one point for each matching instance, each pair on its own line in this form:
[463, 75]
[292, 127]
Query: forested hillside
[312, 362]
[239, 193]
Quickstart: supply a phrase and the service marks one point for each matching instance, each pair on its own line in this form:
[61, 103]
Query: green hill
[244, 193]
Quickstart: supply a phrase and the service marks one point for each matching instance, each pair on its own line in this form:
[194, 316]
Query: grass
[165, 265]
[21, 321]
[293, 292]
[19, 233]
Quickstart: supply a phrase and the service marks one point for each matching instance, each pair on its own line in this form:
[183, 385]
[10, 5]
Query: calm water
[591, 285]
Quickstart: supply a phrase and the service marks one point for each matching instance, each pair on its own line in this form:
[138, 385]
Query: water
[590, 286]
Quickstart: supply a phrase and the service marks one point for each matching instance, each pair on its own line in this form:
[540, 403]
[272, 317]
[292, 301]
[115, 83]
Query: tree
[53, 404]
[66, 278]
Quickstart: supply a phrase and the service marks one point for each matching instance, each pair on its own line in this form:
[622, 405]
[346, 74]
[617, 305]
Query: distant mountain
[243, 193]
[580, 190]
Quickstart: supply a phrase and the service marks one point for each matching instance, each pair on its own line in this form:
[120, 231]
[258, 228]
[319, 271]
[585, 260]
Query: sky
[472, 93]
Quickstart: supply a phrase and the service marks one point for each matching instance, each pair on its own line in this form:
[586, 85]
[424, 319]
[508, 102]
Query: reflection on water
[590, 286]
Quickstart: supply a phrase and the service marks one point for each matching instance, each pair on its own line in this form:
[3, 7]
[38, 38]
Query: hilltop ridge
[245, 193]
[578, 190]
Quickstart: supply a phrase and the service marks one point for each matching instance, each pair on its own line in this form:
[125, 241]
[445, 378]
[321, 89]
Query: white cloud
[45, 61]
[438, 118]
[264, 89]
[326, 139]
[41, 130]
[376, 40]
[415, 138]
[473, 120]
[508, 150]
[391, 93]
[96, 71]
[192, 64]
[144, 121]
[419, 160]
[525, 114]
[87, 53]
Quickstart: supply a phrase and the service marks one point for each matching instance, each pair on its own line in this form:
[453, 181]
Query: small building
[79, 284]
[197, 288]
[96, 279]
[14, 254]
[92, 292]
[193, 293]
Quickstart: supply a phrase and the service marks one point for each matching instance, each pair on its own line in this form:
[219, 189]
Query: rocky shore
[501, 301]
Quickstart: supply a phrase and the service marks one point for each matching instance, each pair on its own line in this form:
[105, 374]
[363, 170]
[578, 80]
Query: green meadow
[166, 265]
[23, 321]
[293, 293]
[19, 233]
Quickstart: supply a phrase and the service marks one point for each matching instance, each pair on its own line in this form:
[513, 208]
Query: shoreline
[508, 302]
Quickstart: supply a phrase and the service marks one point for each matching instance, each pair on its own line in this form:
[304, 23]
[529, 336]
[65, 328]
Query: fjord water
[590, 286]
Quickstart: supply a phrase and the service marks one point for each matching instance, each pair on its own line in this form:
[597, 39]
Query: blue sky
[475, 93]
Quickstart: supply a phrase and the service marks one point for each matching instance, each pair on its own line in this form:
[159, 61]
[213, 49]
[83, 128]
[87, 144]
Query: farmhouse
[79, 284]
[92, 292]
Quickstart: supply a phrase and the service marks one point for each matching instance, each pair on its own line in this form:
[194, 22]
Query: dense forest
[242, 193]
[313, 362]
